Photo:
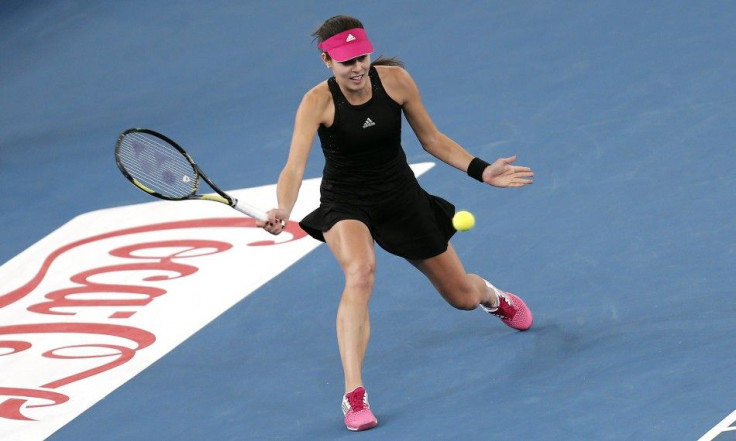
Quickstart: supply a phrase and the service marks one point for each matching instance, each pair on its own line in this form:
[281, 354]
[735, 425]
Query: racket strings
[157, 166]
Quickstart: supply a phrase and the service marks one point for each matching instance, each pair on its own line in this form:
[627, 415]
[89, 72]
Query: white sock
[496, 291]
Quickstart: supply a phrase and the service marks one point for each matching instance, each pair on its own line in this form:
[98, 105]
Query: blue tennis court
[624, 247]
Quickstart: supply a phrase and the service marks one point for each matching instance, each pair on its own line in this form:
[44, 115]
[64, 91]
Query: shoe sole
[365, 426]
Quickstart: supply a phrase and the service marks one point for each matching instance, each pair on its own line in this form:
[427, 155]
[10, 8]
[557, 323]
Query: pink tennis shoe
[512, 311]
[358, 415]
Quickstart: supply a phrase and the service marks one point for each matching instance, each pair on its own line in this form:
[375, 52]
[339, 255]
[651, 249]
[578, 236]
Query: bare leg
[352, 245]
[460, 289]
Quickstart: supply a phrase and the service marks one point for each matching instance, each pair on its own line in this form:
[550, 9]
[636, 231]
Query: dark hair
[340, 23]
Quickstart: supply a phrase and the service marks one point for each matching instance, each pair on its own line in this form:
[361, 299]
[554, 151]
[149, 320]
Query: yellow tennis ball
[463, 220]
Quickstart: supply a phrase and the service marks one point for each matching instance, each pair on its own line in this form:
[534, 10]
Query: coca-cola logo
[122, 274]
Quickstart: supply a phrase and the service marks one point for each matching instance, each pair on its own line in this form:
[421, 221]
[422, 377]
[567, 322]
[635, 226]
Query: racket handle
[250, 210]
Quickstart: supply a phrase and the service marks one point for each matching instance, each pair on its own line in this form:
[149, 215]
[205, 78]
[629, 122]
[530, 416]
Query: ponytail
[392, 61]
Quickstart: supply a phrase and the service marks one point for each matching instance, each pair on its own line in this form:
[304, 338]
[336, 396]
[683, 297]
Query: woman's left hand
[503, 173]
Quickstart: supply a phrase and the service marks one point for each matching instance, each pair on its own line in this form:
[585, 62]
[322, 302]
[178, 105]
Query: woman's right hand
[277, 221]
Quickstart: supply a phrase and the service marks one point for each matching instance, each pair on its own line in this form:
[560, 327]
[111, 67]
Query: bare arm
[404, 90]
[312, 111]
[432, 140]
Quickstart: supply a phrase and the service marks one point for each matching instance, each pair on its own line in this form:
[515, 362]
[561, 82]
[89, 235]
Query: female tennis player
[369, 193]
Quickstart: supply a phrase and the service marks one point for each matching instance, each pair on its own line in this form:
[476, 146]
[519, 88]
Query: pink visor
[347, 45]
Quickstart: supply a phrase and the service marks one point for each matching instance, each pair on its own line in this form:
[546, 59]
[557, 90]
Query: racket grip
[250, 210]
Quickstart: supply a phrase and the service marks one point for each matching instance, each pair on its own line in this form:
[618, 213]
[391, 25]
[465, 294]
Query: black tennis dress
[367, 178]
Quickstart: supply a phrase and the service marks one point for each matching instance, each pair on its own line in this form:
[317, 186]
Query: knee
[460, 297]
[360, 276]
[463, 304]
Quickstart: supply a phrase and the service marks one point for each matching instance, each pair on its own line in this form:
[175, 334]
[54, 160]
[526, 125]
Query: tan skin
[350, 240]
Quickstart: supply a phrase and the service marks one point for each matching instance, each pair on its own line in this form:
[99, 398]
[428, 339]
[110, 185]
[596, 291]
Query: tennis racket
[160, 167]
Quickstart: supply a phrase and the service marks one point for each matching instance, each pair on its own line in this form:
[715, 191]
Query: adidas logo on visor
[350, 38]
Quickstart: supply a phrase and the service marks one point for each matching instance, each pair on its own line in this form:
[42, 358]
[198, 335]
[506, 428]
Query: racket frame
[220, 195]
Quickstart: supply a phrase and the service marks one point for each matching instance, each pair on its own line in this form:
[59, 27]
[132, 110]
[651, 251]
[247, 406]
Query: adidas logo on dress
[368, 123]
